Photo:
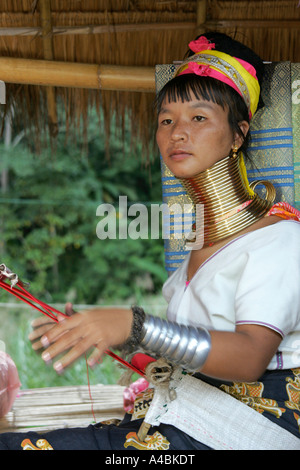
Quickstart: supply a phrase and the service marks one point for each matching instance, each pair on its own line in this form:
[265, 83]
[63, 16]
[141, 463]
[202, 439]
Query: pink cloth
[130, 393]
[201, 45]
[9, 383]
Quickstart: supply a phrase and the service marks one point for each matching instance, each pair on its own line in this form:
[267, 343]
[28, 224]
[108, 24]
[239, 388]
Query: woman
[234, 304]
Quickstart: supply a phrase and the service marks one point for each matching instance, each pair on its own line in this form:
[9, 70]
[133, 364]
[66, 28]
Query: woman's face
[193, 135]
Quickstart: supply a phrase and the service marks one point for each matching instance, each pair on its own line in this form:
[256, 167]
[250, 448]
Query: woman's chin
[184, 173]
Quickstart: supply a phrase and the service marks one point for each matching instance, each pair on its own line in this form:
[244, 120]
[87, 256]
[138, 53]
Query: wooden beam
[98, 29]
[200, 24]
[267, 24]
[77, 75]
[201, 16]
[45, 14]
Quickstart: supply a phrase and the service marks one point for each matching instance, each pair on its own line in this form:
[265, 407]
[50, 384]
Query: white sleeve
[268, 292]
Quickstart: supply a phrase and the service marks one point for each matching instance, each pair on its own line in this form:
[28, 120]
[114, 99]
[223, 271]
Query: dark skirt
[276, 396]
[103, 436]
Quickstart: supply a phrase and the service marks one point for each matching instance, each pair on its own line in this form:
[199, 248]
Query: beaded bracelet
[134, 340]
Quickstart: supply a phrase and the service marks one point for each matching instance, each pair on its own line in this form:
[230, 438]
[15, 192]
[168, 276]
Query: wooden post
[45, 13]
[201, 16]
[77, 75]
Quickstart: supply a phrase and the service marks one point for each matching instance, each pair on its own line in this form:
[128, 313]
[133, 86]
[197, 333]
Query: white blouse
[254, 279]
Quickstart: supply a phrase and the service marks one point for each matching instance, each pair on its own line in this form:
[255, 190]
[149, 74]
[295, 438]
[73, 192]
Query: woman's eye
[165, 122]
[199, 118]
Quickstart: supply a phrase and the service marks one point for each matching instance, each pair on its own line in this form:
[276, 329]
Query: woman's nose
[179, 132]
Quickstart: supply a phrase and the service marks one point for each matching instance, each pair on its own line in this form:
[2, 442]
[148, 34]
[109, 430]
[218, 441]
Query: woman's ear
[244, 126]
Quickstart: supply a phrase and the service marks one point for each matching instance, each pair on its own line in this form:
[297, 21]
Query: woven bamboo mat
[44, 409]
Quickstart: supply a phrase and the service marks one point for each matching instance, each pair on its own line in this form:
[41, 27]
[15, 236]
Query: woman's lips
[179, 155]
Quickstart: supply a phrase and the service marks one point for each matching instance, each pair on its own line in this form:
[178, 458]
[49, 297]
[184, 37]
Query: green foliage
[48, 218]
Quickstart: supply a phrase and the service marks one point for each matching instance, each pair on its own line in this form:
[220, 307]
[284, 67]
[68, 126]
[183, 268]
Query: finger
[38, 332]
[61, 317]
[35, 336]
[41, 326]
[69, 309]
[65, 341]
[61, 327]
[45, 319]
[72, 355]
[39, 321]
[38, 345]
[95, 357]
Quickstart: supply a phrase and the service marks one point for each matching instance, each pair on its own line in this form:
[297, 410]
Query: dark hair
[210, 89]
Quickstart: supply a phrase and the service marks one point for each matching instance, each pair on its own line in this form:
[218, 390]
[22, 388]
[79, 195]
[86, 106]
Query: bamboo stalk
[46, 28]
[240, 23]
[57, 407]
[45, 10]
[201, 16]
[97, 29]
[77, 75]
[119, 28]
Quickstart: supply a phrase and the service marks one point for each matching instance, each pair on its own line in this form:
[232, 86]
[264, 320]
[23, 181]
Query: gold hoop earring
[234, 151]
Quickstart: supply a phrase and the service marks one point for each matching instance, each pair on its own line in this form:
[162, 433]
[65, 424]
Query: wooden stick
[288, 24]
[45, 11]
[77, 75]
[45, 14]
[201, 16]
[119, 28]
[97, 29]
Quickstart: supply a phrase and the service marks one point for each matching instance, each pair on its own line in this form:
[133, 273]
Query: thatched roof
[133, 34]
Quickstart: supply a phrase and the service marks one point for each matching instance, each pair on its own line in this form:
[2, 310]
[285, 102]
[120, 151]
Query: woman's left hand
[72, 337]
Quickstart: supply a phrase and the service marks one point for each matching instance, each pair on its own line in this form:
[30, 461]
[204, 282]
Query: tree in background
[48, 217]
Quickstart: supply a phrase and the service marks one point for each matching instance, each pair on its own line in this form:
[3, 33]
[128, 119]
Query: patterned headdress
[235, 72]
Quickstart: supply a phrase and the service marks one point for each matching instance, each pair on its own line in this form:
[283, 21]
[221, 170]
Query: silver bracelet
[185, 346]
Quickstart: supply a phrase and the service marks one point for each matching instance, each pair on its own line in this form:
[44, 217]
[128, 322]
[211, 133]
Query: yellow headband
[237, 73]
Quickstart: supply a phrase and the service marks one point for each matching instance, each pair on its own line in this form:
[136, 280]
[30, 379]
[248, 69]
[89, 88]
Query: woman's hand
[43, 324]
[72, 337]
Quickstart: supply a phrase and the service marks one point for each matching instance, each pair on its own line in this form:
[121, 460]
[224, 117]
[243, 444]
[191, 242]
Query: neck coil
[229, 202]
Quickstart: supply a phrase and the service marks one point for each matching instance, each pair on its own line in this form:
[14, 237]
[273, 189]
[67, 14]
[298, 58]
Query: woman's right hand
[97, 329]
[41, 325]
[74, 335]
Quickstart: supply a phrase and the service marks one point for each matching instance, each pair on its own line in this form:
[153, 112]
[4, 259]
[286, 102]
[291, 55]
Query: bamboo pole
[45, 13]
[201, 23]
[77, 75]
[241, 23]
[201, 16]
[97, 29]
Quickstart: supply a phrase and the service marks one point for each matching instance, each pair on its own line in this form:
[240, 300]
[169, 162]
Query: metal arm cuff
[185, 346]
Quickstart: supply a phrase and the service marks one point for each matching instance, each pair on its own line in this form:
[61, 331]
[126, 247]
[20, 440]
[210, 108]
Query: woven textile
[295, 85]
[271, 151]
[216, 418]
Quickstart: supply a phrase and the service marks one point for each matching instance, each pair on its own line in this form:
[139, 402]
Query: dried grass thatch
[270, 27]
[127, 33]
[120, 39]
